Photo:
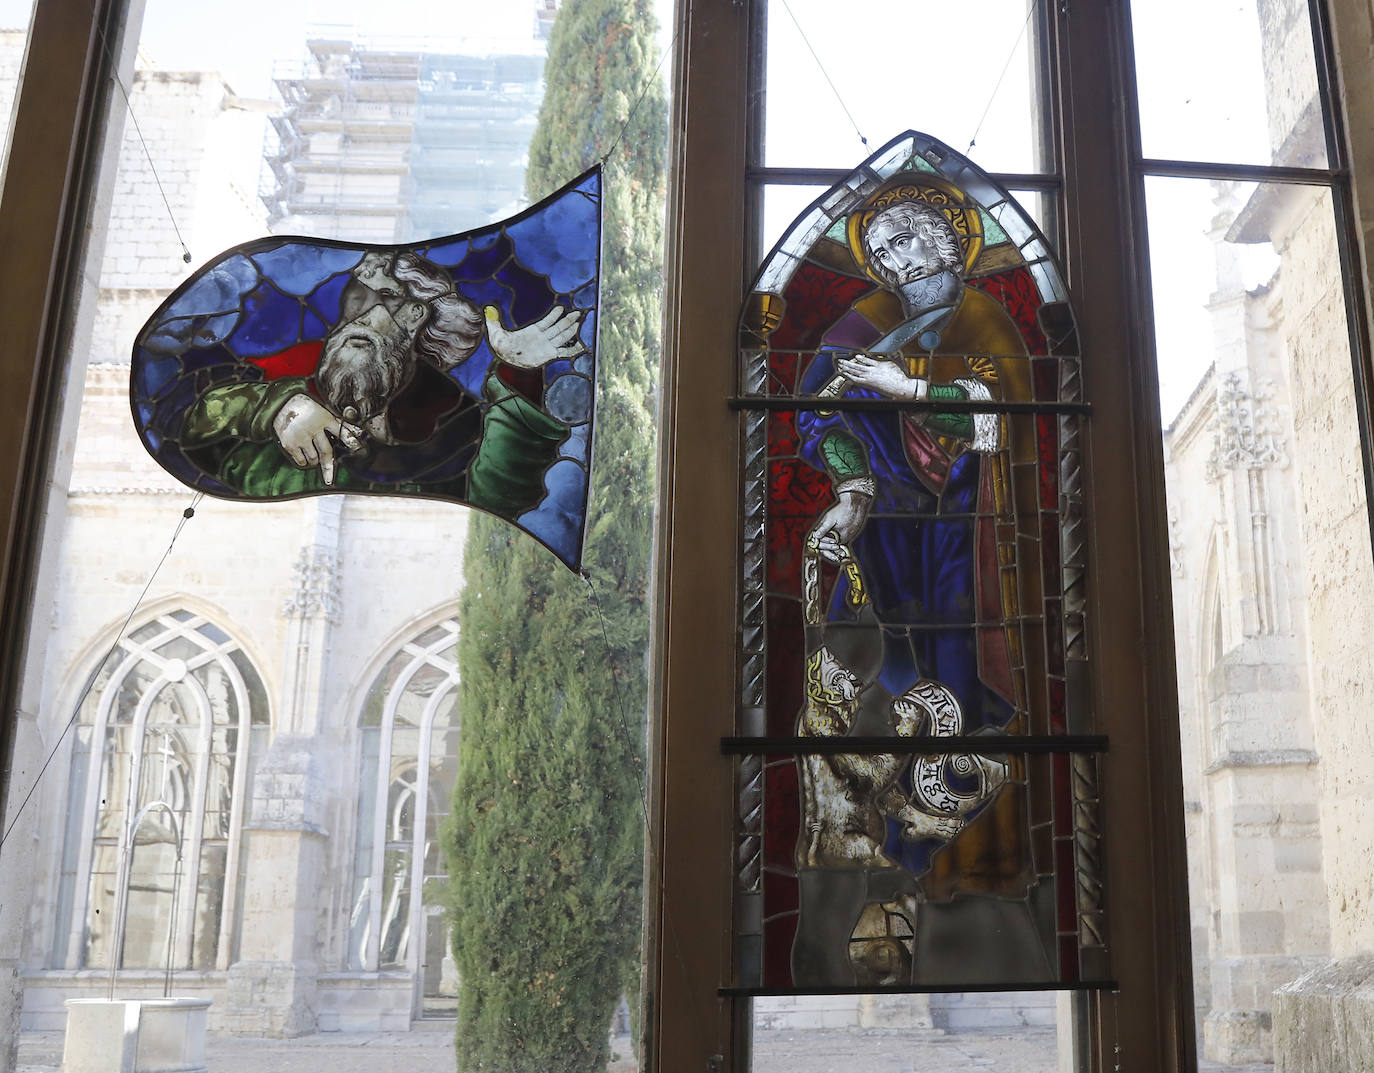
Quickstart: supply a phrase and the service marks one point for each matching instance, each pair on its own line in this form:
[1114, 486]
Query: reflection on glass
[1273, 586]
[976, 78]
[1024, 1032]
[209, 904]
[411, 717]
[14, 35]
[168, 711]
[1233, 83]
[395, 908]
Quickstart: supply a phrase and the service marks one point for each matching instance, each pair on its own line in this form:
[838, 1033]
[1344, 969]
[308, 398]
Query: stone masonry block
[1292, 855]
[1324, 1020]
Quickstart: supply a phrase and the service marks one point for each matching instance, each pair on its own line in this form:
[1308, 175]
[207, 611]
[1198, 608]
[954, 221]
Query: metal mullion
[977, 744]
[1324, 60]
[812, 404]
[919, 989]
[1132, 642]
[827, 177]
[1252, 173]
[1357, 328]
[1347, 237]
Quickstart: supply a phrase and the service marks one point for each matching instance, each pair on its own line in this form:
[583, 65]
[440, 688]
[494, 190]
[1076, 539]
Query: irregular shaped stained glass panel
[460, 368]
[912, 406]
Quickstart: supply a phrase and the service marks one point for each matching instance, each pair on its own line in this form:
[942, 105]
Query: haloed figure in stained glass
[915, 618]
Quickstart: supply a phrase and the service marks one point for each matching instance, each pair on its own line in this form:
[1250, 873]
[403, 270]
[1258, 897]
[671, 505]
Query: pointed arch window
[410, 729]
[918, 787]
[174, 715]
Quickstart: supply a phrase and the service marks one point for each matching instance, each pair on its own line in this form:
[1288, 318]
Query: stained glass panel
[911, 399]
[460, 368]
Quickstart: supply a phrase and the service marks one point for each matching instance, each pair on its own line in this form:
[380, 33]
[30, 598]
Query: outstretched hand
[552, 336]
[303, 425]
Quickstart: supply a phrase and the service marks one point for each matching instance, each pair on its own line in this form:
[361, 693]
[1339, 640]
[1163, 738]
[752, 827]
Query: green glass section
[992, 230]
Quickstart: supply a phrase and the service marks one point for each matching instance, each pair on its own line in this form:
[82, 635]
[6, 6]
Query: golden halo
[962, 215]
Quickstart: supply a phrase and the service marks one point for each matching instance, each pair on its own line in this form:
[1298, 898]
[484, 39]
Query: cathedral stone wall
[317, 592]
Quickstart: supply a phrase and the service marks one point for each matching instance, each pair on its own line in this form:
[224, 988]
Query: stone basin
[152, 1035]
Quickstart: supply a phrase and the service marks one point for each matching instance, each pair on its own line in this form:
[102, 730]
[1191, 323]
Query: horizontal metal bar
[831, 176]
[916, 989]
[1254, 173]
[981, 744]
[811, 404]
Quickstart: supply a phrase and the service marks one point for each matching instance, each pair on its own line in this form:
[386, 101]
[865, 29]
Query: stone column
[273, 986]
[1258, 786]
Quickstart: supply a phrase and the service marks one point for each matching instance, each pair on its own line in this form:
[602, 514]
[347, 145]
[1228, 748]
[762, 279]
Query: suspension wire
[669, 924]
[128, 104]
[825, 74]
[172, 922]
[1030, 10]
[186, 516]
[643, 93]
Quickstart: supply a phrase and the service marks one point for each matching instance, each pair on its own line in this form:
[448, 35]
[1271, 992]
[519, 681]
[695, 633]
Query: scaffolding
[384, 142]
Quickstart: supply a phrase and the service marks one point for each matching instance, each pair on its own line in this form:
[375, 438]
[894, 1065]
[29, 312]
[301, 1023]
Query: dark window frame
[59, 136]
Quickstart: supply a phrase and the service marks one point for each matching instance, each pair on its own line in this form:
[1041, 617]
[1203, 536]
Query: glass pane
[100, 921]
[417, 119]
[1273, 587]
[72, 848]
[440, 972]
[14, 36]
[374, 707]
[1233, 82]
[996, 104]
[400, 826]
[1020, 1032]
[220, 691]
[257, 694]
[209, 895]
[395, 929]
[446, 714]
[359, 921]
[149, 927]
[783, 204]
[115, 770]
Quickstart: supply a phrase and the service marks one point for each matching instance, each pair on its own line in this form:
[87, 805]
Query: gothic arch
[407, 718]
[179, 674]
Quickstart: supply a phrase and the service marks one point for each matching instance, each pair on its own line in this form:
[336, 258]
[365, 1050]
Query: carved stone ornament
[1245, 430]
[314, 584]
[1175, 546]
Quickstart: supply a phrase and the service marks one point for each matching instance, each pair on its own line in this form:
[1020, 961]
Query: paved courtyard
[430, 1047]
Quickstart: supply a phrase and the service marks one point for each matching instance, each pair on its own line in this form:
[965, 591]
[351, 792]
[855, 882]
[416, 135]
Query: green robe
[229, 431]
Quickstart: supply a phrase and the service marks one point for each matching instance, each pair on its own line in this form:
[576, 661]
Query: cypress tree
[545, 837]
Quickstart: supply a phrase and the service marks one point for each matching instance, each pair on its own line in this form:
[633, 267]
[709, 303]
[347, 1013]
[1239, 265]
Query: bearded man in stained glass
[922, 526]
[363, 402]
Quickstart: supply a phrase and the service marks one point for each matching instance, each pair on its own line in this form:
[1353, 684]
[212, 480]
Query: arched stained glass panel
[917, 784]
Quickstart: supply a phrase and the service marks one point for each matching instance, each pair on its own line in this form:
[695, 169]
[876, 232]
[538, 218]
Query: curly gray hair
[928, 223]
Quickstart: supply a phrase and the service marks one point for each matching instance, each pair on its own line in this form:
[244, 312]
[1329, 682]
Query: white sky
[1198, 100]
